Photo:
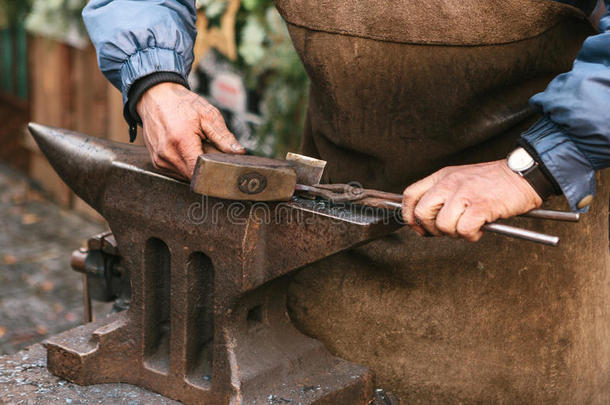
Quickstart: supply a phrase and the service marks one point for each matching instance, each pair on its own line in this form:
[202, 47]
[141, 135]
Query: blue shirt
[135, 38]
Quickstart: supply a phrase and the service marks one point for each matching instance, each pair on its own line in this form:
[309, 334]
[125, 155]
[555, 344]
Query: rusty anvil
[208, 322]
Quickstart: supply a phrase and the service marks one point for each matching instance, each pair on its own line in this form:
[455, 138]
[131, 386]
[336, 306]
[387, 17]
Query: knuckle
[174, 140]
[420, 213]
[215, 114]
[455, 178]
[466, 231]
[211, 113]
[447, 170]
[443, 226]
[407, 217]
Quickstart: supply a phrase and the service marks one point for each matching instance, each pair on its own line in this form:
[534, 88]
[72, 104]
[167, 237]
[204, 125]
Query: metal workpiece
[346, 193]
[207, 322]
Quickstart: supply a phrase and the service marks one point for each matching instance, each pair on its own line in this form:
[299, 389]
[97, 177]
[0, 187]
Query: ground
[39, 293]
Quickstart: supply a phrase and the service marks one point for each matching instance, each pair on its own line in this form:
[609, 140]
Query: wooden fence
[67, 90]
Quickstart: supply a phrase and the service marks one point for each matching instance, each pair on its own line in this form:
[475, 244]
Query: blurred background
[244, 64]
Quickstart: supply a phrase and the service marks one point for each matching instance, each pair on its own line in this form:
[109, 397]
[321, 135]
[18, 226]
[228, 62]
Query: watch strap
[549, 177]
[539, 181]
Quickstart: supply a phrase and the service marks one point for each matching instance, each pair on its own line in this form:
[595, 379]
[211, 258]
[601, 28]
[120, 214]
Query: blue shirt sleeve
[573, 137]
[135, 38]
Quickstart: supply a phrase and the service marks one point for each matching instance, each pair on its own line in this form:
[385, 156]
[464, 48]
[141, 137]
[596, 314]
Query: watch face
[519, 160]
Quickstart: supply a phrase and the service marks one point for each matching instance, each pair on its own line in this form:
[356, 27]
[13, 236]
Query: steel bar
[525, 234]
[87, 313]
[511, 231]
[553, 215]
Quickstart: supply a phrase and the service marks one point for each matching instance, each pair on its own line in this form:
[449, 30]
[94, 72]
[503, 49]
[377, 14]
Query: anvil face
[207, 322]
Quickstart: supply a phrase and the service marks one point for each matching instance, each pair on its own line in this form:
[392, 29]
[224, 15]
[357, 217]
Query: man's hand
[457, 201]
[179, 125]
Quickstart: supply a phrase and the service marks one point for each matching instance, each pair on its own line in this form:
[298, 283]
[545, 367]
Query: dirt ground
[40, 294]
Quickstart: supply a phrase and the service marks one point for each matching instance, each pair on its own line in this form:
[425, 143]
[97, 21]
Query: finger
[449, 215]
[209, 148]
[188, 159]
[217, 133]
[410, 199]
[427, 209]
[157, 159]
[469, 225]
[178, 154]
[168, 167]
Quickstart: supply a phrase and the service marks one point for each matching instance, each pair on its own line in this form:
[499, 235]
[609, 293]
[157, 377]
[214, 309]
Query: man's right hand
[179, 125]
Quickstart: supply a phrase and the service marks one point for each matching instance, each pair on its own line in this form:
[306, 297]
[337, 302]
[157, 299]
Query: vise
[207, 321]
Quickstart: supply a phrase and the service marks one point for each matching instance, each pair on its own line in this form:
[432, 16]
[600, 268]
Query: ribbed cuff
[140, 87]
[567, 165]
[143, 65]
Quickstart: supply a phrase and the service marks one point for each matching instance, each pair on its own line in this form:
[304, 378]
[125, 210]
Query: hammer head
[246, 178]
[253, 178]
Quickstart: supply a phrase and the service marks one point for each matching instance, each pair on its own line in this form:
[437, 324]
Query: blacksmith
[400, 90]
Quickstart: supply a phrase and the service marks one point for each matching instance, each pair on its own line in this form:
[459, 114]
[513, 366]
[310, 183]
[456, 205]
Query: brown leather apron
[400, 89]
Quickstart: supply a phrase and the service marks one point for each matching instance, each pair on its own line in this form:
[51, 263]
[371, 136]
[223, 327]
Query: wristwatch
[522, 163]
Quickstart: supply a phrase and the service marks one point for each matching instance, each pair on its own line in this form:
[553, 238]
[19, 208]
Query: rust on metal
[207, 322]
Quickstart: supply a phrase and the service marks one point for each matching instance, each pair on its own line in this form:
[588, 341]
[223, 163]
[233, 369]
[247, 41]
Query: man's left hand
[458, 200]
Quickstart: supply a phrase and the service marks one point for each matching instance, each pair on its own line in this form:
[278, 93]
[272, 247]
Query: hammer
[253, 178]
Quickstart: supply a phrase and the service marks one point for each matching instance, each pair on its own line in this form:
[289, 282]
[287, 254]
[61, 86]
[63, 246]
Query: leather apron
[401, 89]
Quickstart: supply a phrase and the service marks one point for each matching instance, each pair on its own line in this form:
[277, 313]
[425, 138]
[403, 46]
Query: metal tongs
[346, 193]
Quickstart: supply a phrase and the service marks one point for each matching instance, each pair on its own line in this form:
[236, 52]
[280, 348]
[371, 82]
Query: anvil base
[24, 379]
[96, 353]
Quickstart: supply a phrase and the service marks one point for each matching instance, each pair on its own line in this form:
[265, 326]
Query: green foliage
[13, 11]
[271, 65]
[58, 19]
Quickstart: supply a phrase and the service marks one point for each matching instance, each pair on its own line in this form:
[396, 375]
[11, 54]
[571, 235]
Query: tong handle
[392, 201]
[520, 233]
[515, 232]
[536, 213]
[553, 215]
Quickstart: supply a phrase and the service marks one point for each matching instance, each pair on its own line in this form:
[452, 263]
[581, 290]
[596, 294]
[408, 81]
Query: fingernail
[237, 147]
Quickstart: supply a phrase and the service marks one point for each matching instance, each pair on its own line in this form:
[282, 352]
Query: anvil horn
[78, 159]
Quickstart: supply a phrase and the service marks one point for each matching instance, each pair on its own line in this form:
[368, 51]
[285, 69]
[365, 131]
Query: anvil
[208, 322]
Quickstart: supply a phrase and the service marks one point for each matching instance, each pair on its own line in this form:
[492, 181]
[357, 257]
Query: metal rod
[87, 314]
[392, 205]
[553, 215]
[394, 201]
[522, 234]
[515, 232]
